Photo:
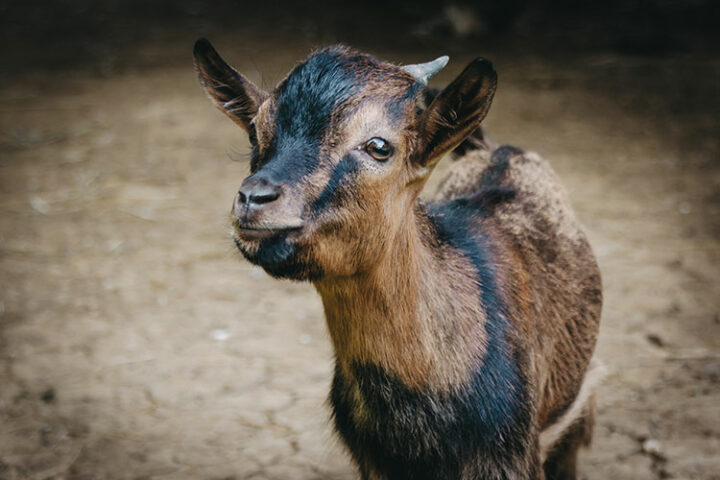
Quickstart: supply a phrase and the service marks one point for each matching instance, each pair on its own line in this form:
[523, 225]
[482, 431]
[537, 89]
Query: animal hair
[463, 327]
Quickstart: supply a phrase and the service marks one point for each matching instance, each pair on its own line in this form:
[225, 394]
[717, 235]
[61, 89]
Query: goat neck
[414, 313]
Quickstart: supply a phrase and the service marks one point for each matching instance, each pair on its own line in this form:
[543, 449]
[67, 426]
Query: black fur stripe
[304, 106]
[423, 435]
[345, 169]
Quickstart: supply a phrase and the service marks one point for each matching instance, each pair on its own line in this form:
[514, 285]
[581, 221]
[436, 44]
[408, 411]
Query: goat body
[463, 328]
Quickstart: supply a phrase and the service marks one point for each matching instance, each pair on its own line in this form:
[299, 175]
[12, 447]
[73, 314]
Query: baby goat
[463, 329]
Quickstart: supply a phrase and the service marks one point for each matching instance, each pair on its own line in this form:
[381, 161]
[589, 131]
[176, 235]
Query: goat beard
[280, 258]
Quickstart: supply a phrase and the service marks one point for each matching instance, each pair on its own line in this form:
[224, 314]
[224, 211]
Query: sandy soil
[136, 344]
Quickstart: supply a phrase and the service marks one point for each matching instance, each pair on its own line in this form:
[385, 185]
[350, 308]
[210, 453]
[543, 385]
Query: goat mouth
[263, 231]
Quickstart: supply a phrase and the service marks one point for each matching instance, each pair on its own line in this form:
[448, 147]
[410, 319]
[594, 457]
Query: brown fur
[547, 243]
[398, 298]
[384, 316]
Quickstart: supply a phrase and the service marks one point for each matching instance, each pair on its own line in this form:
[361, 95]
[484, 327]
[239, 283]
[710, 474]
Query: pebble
[220, 334]
[653, 447]
[39, 204]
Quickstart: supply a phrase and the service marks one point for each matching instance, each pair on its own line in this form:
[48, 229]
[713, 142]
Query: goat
[463, 328]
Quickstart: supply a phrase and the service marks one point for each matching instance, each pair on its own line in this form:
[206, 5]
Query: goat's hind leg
[561, 462]
[561, 441]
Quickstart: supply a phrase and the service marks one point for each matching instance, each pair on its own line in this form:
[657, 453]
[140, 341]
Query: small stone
[652, 447]
[304, 339]
[39, 205]
[220, 334]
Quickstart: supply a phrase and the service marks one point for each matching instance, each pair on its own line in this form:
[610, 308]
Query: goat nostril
[258, 191]
[264, 197]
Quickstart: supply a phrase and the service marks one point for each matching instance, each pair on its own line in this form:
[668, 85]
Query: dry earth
[136, 344]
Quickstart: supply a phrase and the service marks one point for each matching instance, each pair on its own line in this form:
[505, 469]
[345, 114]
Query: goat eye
[379, 149]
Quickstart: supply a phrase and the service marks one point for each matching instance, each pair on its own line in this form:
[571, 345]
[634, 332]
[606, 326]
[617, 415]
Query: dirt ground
[135, 343]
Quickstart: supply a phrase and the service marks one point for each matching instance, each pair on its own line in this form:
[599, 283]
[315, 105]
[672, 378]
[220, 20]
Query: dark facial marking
[288, 159]
[344, 170]
[304, 105]
[306, 99]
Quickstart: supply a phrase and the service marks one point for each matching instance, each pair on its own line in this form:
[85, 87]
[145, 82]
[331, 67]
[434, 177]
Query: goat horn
[423, 71]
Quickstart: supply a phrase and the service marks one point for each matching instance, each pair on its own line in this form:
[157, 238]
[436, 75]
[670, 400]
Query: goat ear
[457, 111]
[234, 94]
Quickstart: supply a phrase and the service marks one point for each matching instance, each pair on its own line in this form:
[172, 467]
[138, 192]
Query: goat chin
[554, 432]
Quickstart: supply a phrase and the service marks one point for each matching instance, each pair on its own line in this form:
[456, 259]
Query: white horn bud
[423, 71]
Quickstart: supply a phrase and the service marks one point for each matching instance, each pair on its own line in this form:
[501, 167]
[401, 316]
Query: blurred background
[136, 344]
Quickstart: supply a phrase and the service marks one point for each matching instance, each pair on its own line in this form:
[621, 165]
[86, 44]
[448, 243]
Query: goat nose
[258, 191]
